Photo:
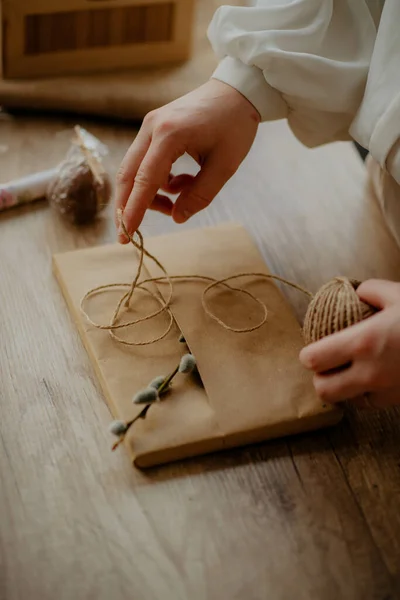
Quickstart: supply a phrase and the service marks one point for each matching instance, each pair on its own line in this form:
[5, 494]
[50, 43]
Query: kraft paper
[252, 385]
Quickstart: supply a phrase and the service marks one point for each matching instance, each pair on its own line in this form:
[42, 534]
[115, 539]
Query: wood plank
[48, 6]
[158, 23]
[93, 60]
[134, 25]
[99, 31]
[64, 31]
[82, 29]
[310, 518]
[117, 25]
[13, 39]
[367, 448]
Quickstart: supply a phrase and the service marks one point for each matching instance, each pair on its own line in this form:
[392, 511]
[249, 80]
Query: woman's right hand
[214, 124]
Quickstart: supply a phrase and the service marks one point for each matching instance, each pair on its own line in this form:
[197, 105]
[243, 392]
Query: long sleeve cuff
[250, 82]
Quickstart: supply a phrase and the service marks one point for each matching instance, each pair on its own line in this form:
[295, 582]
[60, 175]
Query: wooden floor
[307, 518]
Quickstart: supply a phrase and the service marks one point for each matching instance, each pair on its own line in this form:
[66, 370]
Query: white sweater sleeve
[377, 122]
[304, 60]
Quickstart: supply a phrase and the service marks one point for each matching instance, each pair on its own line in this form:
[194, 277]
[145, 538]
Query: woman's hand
[215, 124]
[368, 351]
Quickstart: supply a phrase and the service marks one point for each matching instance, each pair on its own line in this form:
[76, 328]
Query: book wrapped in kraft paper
[252, 388]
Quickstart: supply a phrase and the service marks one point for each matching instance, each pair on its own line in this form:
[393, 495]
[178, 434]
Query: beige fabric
[125, 95]
[387, 193]
[254, 385]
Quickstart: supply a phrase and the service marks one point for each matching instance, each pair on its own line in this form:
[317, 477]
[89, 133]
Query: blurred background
[118, 58]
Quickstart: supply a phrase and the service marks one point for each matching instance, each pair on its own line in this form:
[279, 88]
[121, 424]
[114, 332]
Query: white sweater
[330, 67]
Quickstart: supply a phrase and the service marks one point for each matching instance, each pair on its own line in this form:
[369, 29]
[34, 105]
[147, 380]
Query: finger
[177, 183]
[152, 175]
[343, 385]
[330, 353]
[379, 293]
[162, 204]
[205, 186]
[128, 169]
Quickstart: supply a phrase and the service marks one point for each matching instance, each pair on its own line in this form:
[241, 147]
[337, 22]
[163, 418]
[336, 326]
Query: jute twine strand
[165, 304]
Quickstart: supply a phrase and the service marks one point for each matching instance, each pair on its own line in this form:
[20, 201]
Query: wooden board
[54, 39]
[307, 518]
[123, 94]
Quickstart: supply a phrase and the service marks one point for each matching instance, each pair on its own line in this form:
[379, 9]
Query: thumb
[379, 293]
[203, 189]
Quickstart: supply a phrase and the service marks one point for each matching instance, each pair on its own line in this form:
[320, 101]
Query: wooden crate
[59, 37]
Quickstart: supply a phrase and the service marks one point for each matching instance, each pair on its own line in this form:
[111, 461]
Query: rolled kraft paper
[334, 307]
[254, 385]
[27, 189]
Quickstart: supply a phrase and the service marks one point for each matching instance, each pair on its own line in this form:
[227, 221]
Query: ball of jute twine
[334, 307]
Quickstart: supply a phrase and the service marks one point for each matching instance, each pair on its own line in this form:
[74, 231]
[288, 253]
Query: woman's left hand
[362, 363]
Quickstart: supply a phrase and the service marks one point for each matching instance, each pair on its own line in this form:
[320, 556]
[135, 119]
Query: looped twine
[165, 304]
[125, 300]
